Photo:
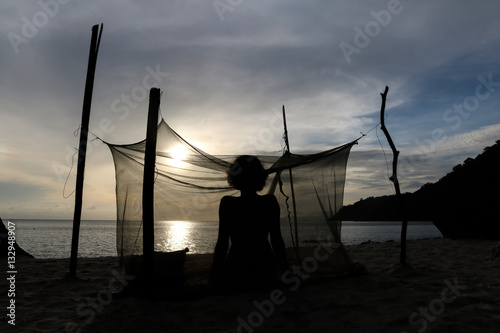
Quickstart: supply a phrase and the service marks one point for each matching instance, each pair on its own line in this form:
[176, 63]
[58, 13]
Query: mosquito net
[189, 184]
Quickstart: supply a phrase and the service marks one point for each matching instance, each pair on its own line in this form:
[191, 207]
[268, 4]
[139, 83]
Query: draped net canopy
[190, 183]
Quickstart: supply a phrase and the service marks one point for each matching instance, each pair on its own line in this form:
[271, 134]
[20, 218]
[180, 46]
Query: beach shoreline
[452, 285]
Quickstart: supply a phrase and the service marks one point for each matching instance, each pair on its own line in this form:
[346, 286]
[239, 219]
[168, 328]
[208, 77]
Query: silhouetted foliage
[468, 196]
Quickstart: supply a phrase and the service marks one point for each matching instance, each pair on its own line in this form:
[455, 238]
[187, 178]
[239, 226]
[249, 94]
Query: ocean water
[52, 239]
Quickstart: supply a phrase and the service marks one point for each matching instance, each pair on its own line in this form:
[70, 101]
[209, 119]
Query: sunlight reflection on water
[52, 239]
[198, 237]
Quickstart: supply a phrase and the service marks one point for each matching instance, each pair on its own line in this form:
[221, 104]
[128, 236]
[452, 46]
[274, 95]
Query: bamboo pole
[394, 177]
[294, 205]
[148, 187]
[82, 150]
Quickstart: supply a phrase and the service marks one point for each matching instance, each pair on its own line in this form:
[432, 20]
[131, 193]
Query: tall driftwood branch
[294, 205]
[394, 177]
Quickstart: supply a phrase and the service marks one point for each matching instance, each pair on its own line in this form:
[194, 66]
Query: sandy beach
[451, 286]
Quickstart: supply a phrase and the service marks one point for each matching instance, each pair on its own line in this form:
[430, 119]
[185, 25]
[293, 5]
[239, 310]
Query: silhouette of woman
[248, 221]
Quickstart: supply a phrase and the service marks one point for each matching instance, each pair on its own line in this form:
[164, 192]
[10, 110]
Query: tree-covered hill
[465, 199]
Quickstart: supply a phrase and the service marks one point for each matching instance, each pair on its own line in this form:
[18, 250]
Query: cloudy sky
[225, 68]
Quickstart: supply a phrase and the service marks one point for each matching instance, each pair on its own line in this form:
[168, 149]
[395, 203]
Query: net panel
[190, 183]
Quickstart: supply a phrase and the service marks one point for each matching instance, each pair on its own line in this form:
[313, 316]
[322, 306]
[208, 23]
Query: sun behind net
[190, 183]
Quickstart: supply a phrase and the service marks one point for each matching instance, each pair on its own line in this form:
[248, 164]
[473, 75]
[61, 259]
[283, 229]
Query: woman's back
[249, 219]
[248, 222]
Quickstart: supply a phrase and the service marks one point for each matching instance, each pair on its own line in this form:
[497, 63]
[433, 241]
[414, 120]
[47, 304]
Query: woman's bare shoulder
[228, 199]
[270, 199]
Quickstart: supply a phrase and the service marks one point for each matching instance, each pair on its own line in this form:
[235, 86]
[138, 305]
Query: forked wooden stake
[294, 205]
[394, 178]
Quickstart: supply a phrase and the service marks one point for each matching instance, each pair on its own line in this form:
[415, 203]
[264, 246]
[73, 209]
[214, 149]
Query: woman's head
[247, 173]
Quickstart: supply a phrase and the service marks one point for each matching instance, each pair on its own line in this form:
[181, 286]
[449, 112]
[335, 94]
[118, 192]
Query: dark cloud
[227, 79]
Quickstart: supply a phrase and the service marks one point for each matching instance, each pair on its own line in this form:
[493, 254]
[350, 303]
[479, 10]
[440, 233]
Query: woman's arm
[277, 241]
[222, 244]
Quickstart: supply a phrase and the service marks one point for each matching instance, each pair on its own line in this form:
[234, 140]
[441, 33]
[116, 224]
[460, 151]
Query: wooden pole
[82, 150]
[148, 188]
[394, 178]
[294, 205]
